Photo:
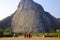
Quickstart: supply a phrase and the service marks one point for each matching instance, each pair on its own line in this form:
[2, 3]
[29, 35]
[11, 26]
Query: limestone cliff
[31, 17]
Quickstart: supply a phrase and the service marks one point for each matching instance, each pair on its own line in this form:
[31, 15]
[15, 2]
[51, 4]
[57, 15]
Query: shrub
[50, 35]
[8, 32]
[21, 33]
[1, 33]
[38, 34]
[58, 32]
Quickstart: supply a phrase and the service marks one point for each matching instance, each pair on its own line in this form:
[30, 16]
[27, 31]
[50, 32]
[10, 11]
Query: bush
[8, 34]
[38, 34]
[58, 32]
[50, 35]
[1, 33]
[21, 33]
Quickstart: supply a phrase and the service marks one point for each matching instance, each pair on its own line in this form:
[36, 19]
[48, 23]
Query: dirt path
[33, 38]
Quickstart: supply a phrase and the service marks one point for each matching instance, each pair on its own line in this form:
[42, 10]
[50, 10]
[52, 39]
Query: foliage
[8, 32]
[58, 32]
[21, 33]
[38, 34]
[1, 33]
[50, 35]
[7, 29]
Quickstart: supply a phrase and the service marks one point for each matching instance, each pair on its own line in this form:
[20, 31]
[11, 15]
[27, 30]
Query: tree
[58, 32]
[8, 32]
[7, 29]
[1, 33]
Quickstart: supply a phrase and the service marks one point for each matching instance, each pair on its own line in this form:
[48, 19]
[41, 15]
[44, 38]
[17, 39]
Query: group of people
[27, 35]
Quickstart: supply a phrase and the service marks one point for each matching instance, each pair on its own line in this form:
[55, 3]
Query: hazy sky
[7, 7]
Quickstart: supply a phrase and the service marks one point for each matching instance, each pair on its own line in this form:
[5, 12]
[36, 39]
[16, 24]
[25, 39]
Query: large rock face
[31, 17]
[59, 20]
[6, 22]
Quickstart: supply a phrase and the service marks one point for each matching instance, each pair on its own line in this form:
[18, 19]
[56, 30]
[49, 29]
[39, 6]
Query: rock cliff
[30, 17]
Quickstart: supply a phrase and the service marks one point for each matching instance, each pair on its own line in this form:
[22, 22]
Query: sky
[8, 7]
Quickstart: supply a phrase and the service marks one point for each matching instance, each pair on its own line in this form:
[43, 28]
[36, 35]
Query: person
[25, 35]
[28, 35]
[14, 34]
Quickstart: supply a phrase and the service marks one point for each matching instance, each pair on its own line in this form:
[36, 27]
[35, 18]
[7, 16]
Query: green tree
[58, 32]
[1, 33]
[7, 29]
[8, 32]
